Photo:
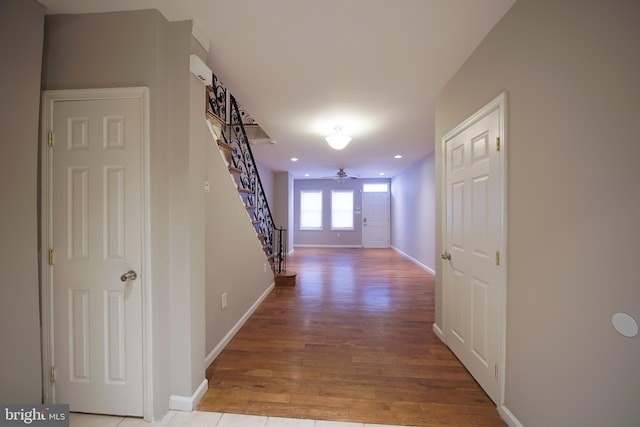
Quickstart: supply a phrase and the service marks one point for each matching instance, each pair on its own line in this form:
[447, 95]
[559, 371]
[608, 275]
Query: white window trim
[321, 227]
[353, 222]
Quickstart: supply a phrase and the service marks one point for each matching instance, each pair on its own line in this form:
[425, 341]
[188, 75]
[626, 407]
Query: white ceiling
[302, 67]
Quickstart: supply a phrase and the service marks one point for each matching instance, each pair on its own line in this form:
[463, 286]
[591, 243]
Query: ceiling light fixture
[338, 141]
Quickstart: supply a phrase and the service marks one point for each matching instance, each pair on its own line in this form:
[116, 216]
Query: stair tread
[288, 273]
[214, 118]
[285, 278]
[225, 146]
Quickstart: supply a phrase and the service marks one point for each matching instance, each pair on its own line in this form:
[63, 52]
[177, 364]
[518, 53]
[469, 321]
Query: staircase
[226, 116]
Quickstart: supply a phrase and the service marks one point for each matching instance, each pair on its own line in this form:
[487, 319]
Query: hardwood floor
[352, 341]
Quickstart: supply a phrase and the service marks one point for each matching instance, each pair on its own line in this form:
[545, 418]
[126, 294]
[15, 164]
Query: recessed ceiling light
[397, 156]
[381, 174]
[294, 159]
[306, 174]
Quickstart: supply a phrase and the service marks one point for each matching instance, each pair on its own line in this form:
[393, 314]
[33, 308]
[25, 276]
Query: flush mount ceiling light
[338, 141]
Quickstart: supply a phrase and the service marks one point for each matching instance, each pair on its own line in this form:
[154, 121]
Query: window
[342, 210]
[310, 210]
[375, 188]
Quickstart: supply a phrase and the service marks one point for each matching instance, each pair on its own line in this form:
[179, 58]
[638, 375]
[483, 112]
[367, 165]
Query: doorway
[375, 215]
[95, 281]
[474, 242]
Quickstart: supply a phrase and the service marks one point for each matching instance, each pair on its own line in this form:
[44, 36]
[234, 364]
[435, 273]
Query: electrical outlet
[264, 268]
[223, 300]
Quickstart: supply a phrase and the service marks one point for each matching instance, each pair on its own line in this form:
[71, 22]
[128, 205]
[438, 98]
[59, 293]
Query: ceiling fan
[341, 176]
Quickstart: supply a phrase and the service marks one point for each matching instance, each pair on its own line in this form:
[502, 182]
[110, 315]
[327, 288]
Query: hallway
[353, 342]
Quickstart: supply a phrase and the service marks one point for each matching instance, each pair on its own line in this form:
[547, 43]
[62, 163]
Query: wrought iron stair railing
[223, 107]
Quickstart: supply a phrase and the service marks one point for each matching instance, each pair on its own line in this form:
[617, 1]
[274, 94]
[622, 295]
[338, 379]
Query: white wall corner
[198, 33]
[415, 261]
[438, 332]
[508, 417]
[188, 403]
[199, 69]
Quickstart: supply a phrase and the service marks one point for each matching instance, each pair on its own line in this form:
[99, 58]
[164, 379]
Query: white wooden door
[473, 274]
[375, 219]
[96, 232]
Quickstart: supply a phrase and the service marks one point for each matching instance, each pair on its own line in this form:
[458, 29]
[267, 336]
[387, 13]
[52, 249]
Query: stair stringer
[228, 177]
[234, 260]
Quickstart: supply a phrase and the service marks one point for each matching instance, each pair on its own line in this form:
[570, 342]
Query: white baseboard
[330, 246]
[188, 403]
[415, 261]
[223, 343]
[508, 417]
[439, 333]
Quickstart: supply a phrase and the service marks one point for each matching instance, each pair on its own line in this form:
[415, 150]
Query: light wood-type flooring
[352, 341]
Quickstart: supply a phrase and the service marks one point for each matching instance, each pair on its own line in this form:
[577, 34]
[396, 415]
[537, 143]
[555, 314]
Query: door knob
[445, 255]
[129, 276]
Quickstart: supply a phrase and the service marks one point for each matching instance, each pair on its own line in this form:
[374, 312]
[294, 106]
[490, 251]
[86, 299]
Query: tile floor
[206, 419]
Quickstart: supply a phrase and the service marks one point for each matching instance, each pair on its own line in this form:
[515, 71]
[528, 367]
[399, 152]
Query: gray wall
[571, 72]
[234, 256]
[283, 204]
[187, 175]
[413, 212]
[327, 237]
[21, 35]
[267, 179]
[119, 50]
[142, 49]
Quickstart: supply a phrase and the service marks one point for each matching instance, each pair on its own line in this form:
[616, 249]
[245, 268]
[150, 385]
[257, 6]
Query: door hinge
[52, 256]
[497, 143]
[52, 139]
[52, 374]
[497, 257]
[496, 372]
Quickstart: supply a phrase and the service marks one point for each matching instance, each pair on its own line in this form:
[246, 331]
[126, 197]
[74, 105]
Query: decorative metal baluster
[243, 159]
[224, 107]
[217, 100]
[244, 116]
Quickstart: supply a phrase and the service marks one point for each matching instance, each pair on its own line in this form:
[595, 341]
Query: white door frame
[500, 104]
[49, 98]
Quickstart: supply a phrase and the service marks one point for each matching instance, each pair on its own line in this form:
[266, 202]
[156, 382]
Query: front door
[375, 219]
[473, 271]
[94, 188]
